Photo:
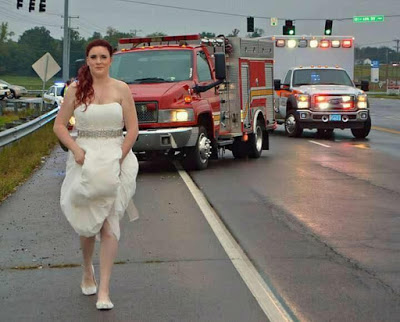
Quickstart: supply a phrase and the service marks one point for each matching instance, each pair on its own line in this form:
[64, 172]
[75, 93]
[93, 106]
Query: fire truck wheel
[197, 156]
[292, 127]
[255, 142]
[363, 132]
[239, 149]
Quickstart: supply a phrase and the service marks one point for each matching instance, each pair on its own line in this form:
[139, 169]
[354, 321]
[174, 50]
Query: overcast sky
[97, 15]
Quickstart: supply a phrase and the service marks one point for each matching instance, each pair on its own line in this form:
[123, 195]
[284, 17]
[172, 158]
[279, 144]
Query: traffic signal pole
[65, 66]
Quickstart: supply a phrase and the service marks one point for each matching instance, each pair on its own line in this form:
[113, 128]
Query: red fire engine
[196, 96]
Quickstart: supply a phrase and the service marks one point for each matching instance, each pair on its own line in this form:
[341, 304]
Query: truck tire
[255, 142]
[12, 95]
[292, 127]
[363, 132]
[197, 156]
[239, 149]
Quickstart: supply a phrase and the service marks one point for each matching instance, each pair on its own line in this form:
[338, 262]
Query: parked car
[53, 95]
[16, 91]
[4, 90]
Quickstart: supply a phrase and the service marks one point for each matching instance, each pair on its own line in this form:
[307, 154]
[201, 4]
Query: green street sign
[378, 18]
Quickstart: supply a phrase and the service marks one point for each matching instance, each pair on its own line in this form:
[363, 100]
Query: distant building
[367, 61]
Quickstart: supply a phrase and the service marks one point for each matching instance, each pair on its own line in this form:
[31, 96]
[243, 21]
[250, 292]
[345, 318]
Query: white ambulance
[314, 87]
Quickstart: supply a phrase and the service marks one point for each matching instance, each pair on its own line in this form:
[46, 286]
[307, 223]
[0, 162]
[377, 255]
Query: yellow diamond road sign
[274, 21]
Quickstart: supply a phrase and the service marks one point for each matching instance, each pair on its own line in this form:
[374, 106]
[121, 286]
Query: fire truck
[314, 86]
[195, 97]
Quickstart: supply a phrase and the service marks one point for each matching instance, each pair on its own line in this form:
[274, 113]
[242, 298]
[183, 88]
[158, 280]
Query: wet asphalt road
[319, 222]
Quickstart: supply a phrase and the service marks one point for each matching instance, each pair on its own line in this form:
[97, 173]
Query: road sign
[375, 64]
[46, 67]
[376, 18]
[274, 21]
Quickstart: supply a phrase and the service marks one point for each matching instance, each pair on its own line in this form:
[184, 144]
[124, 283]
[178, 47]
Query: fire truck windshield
[152, 66]
[321, 77]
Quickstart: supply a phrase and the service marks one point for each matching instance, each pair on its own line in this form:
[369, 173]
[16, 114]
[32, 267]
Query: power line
[25, 20]
[241, 15]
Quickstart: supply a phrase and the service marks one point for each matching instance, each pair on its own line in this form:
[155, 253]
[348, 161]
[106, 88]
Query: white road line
[268, 302]
[327, 146]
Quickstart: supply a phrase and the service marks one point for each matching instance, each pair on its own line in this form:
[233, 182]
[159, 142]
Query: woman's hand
[79, 155]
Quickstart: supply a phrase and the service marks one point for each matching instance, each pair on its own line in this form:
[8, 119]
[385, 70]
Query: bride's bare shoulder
[119, 84]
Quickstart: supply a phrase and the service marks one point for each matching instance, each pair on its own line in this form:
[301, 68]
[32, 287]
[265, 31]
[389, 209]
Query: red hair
[85, 92]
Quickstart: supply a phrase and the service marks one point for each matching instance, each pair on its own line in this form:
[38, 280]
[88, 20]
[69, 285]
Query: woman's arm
[130, 119]
[60, 125]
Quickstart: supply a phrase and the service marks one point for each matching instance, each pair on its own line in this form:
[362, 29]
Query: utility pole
[397, 60]
[65, 66]
[135, 31]
[69, 39]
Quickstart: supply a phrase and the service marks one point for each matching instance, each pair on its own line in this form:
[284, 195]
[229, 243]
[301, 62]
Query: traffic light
[288, 28]
[42, 6]
[19, 3]
[250, 24]
[31, 5]
[328, 27]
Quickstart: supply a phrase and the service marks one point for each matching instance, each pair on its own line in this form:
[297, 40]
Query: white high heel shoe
[90, 290]
[104, 305]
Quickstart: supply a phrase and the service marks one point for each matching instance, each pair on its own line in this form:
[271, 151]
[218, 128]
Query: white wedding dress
[100, 189]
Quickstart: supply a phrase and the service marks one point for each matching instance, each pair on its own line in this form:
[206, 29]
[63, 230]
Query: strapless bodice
[99, 117]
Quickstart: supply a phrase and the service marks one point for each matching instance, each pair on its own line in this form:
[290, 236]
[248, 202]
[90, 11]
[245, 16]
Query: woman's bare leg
[108, 251]
[87, 245]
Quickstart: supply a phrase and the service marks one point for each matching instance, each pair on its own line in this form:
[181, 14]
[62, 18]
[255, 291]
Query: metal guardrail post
[2, 106]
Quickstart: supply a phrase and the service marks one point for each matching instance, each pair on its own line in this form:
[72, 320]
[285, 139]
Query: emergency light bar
[313, 43]
[158, 39]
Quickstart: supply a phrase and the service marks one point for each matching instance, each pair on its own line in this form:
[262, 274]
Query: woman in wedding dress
[101, 169]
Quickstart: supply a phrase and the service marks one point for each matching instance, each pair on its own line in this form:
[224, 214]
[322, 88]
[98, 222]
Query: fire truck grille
[147, 112]
[333, 102]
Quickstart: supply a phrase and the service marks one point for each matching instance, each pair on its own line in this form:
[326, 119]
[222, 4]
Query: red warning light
[347, 43]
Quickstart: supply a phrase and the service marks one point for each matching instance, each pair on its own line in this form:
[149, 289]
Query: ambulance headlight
[313, 43]
[362, 101]
[303, 101]
[178, 115]
[292, 43]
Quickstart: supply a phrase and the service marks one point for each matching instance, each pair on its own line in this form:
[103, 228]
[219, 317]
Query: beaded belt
[99, 133]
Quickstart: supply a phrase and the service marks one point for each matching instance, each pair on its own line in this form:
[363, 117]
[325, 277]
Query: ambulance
[314, 87]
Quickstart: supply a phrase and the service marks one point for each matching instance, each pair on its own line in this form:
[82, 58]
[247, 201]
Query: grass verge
[393, 97]
[19, 159]
[9, 116]
[29, 82]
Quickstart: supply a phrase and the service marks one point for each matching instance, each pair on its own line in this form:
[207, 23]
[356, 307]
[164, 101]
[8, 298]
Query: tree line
[383, 54]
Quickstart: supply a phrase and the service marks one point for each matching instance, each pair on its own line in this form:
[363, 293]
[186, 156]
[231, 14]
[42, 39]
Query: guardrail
[36, 92]
[10, 135]
[16, 105]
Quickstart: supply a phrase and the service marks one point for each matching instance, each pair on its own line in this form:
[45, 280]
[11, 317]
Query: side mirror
[277, 84]
[365, 85]
[220, 66]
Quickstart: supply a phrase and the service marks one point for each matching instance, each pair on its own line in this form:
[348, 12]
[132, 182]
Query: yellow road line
[383, 129]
